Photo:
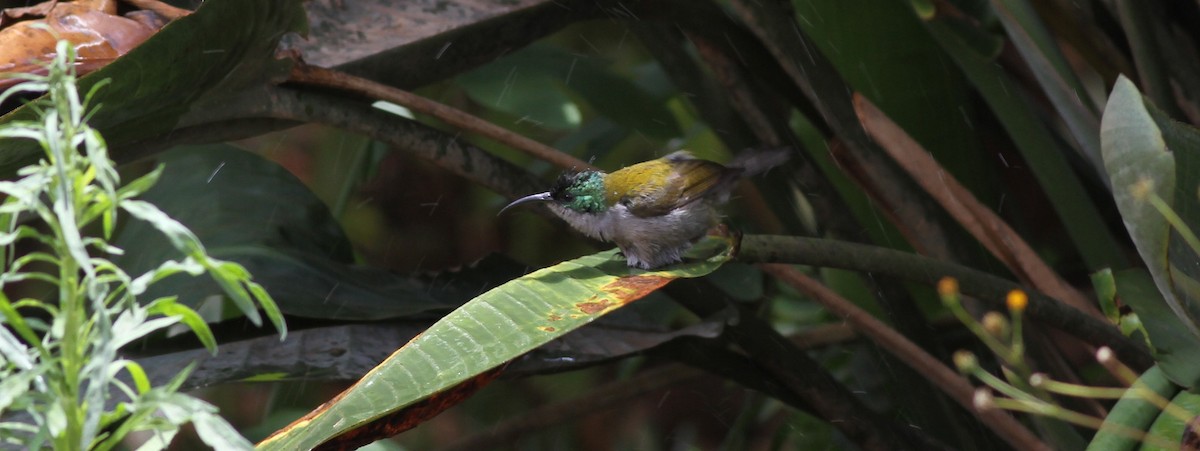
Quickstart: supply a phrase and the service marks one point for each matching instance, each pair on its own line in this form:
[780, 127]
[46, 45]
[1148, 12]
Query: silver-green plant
[63, 380]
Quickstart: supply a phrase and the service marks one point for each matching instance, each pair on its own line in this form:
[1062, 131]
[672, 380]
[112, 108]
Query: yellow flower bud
[947, 289]
[1017, 301]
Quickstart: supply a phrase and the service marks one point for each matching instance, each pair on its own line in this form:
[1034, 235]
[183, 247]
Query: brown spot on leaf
[631, 288]
[547, 328]
[594, 307]
[554, 317]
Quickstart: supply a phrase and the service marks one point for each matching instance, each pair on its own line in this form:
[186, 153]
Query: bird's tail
[757, 161]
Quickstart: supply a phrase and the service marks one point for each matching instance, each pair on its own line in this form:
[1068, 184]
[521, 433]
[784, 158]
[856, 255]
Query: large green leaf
[223, 47]
[537, 82]
[1146, 163]
[1183, 141]
[491, 329]
[526, 86]
[1141, 166]
[250, 210]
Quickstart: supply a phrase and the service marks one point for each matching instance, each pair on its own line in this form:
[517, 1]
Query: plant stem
[71, 354]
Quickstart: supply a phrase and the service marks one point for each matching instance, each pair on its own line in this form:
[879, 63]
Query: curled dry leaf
[100, 35]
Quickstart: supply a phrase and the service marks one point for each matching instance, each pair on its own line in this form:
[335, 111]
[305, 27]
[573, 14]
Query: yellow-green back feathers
[656, 187]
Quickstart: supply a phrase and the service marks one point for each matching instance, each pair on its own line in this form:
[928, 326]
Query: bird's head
[582, 192]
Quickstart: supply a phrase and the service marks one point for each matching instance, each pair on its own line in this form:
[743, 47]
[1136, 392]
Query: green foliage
[1141, 161]
[63, 369]
[248, 209]
[1007, 95]
[539, 83]
[494, 328]
[1149, 186]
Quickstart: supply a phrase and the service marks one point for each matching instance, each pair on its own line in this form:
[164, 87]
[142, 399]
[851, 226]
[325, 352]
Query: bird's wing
[691, 179]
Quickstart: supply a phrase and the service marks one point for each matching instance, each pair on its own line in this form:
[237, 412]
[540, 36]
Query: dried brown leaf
[92, 26]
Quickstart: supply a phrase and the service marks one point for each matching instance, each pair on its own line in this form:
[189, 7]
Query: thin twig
[954, 385]
[318, 76]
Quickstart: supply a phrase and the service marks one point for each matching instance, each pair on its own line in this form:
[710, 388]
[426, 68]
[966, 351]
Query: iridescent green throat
[581, 191]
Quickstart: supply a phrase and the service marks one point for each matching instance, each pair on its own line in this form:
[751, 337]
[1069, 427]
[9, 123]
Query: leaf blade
[491, 329]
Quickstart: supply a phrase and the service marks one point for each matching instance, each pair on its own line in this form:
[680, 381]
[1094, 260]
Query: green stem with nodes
[62, 130]
[71, 357]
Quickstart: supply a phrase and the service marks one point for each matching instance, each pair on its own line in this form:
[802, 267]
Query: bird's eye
[568, 197]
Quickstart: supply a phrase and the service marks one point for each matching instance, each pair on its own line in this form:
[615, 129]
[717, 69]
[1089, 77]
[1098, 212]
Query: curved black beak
[539, 197]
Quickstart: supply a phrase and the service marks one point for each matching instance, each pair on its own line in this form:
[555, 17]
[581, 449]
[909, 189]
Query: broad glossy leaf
[518, 81]
[225, 46]
[1140, 165]
[491, 329]
[251, 211]
[1183, 141]
[531, 90]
